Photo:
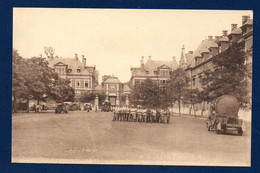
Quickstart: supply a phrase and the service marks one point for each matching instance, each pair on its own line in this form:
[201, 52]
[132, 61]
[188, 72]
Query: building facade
[201, 59]
[158, 71]
[116, 92]
[83, 78]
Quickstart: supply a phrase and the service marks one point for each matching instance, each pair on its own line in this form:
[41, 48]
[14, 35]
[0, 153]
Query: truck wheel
[240, 132]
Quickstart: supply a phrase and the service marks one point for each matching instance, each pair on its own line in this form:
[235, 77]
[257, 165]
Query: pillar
[127, 101]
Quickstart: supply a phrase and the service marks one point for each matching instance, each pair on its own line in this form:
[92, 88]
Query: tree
[229, 76]
[19, 88]
[33, 79]
[87, 97]
[178, 87]
[145, 93]
[49, 51]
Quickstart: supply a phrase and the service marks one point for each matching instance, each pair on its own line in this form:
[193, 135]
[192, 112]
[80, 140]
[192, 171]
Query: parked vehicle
[106, 107]
[74, 107]
[223, 116]
[61, 108]
[88, 107]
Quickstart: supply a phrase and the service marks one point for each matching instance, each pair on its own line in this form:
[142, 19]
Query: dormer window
[78, 70]
[155, 72]
[164, 72]
[60, 70]
[69, 70]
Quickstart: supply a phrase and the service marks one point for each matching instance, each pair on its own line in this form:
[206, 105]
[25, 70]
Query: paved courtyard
[92, 138]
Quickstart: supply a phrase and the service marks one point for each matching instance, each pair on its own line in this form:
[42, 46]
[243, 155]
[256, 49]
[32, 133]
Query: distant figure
[38, 108]
[96, 108]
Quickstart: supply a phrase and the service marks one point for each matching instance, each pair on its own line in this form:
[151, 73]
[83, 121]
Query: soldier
[158, 114]
[139, 114]
[148, 116]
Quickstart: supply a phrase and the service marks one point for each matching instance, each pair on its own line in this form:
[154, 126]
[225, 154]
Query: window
[69, 70]
[71, 82]
[146, 72]
[162, 82]
[77, 84]
[194, 81]
[60, 70]
[164, 72]
[86, 84]
[78, 70]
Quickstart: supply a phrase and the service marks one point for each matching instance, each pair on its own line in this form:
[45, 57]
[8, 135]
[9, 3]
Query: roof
[72, 63]
[248, 22]
[236, 31]
[99, 87]
[152, 65]
[112, 79]
[204, 47]
[189, 58]
[126, 88]
[224, 38]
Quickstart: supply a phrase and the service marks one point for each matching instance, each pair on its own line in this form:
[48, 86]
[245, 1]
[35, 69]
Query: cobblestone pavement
[92, 138]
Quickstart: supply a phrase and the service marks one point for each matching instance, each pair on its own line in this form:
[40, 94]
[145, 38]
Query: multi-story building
[201, 58]
[156, 70]
[83, 77]
[115, 90]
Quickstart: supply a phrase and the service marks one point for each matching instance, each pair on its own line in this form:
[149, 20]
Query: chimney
[210, 37]
[217, 38]
[244, 19]
[149, 58]
[84, 60]
[233, 26]
[76, 56]
[224, 32]
[142, 62]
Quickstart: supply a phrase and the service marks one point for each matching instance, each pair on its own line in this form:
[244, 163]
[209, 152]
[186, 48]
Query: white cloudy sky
[115, 40]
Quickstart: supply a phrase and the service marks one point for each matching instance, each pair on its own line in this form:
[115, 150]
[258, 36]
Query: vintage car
[61, 108]
[106, 107]
[88, 107]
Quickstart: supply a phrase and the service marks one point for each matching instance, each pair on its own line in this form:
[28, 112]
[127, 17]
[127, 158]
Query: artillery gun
[223, 116]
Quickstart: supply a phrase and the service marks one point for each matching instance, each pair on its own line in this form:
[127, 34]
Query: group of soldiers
[141, 115]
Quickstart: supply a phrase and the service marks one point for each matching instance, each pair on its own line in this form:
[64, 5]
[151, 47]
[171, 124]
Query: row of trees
[32, 78]
[230, 76]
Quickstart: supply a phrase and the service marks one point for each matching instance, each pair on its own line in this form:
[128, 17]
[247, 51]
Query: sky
[114, 40]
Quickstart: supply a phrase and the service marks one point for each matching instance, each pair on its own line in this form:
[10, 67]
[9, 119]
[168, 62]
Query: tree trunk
[28, 105]
[179, 102]
[194, 110]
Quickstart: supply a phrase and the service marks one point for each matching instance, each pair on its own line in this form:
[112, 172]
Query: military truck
[223, 116]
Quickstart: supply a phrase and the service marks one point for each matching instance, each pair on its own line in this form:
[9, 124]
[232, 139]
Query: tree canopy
[145, 93]
[32, 78]
[229, 76]
[178, 87]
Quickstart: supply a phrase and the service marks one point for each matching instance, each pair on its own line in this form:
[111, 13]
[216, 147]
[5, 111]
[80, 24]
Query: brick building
[158, 71]
[115, 90]
[201, 59]
[83, 77]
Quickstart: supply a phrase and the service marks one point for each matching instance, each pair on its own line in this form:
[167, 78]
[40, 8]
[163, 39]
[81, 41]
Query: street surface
[92, 138]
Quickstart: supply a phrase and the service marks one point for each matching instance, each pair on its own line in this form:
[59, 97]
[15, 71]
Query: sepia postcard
[132, 86]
